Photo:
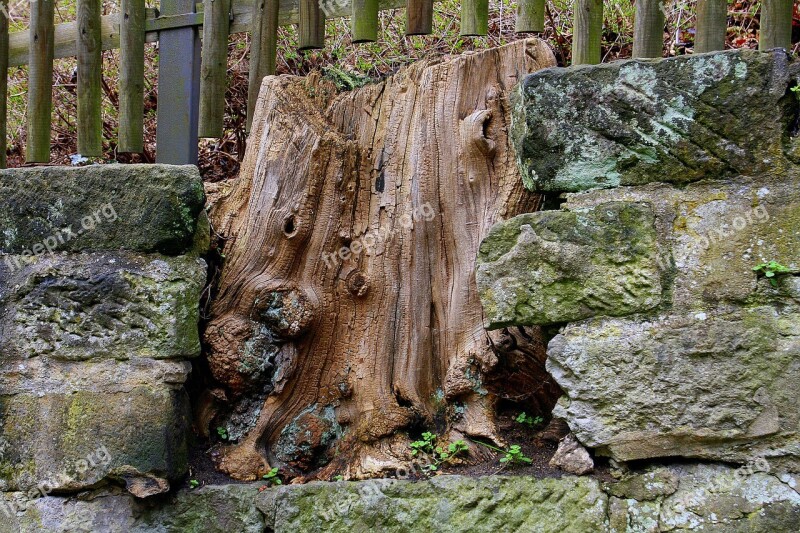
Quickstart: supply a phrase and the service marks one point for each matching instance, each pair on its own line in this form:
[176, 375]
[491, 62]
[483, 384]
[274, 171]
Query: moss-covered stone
[101, 305]
[633, 122]
[71, 425]
[143, 208]
[561, 266]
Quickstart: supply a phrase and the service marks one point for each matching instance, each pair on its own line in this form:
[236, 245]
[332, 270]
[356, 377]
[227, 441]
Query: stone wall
[677, 178]
[100, 282]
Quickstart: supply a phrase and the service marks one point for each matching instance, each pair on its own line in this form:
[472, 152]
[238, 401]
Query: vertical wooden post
[263, 50]
[365, 21]
[648, 28]
[474, 17]
[712, 25]
[40, 81]
[312, 25]
[131, 76]
[90, 72]
[178, 89]
[587, 32]
[3, 81]
[776, 24]
[419, 17]
[214, 67]
[530, 16]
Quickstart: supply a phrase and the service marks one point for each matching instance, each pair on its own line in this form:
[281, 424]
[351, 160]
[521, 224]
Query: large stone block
[633, 122]
[560, 266]
[143, 208]
[101, 305]
[67, 426]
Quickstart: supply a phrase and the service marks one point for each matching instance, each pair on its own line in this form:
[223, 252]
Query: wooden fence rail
[192, 93]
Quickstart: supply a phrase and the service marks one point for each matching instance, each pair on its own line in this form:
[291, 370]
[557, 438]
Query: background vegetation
[347, 64]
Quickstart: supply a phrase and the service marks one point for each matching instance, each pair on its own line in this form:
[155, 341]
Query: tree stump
[347, 299]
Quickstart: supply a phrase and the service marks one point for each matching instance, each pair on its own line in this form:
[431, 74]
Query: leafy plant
[438, 454]
[272, 478]
[530, 421]
[514, 455]
[222, 432]
[193, 483]
[338, 478]
[796, 91]
[426, 445]
[770, 270]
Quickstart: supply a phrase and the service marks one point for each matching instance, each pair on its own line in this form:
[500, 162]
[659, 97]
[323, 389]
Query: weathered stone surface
[659, 499]
[633, 122]
[212, 509]
[717, 387]
[443, 504]
[572, 457]
[68, 425]
[101, 305]
[708, 374]
[144, 208]
[561, 266]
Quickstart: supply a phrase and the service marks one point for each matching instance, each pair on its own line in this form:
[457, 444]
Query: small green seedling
[338, 478]
[514, 455]
[438, 454]
[796, 91]
[222, 432]
[770, 270]
[425, 445]
[530, 421]
[193, 484]
[272, 477]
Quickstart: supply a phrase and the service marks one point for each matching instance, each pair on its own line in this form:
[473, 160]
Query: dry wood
[776, 24]
[90, 77]
[712, 23]
[131, 77]
[530, 16]
[40, 82]
[648, 28]
[588, 32]
[214, 68]
[348, 287]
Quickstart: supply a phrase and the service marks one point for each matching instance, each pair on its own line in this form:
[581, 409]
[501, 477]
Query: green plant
[338, 478]
[272, 478]
[222, 432]
[796, 91]
[514, 455]
[193, 483]
[438, 454]
[770, 270]
[530, 421]
[426, 445]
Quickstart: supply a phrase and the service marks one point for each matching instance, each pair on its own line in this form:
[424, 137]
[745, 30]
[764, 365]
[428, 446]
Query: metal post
[178, 88]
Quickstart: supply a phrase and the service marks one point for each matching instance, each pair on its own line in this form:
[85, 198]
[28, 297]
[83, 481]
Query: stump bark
[347, 299]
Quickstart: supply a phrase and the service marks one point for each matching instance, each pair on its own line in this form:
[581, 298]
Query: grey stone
[144, 208]
[572, 457]
[632, 122]
[560, 266]
[101, 305]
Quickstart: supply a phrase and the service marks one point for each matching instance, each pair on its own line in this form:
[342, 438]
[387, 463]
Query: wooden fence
[191, 92]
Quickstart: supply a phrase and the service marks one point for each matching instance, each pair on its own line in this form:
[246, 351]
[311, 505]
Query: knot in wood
[287, 312]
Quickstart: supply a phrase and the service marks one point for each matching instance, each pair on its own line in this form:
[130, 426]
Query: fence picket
[214, 67]
[530, 16]
[131, 77]
[776, 24]
[712, 20]
[419, 17]
[263, 51]
[3, 82]
[365, 21]
[40, 81]
[648, 28]
[587, 33]
[312, 25]
[90, 73]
